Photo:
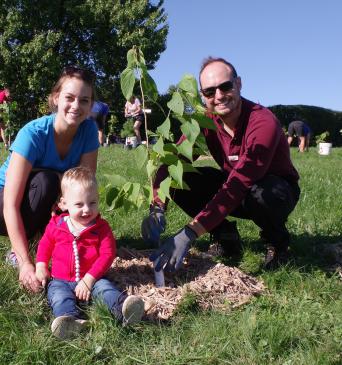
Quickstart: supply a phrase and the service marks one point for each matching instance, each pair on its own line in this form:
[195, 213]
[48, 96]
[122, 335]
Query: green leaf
[164, 129]
[159, 147]
[175, 185]
[176, 103]
[140, 200]
[116, 180]
[202, 145]
[189, 85]
[169, 159]
[199, 106]
[184, 118]
[111, 194]
[151, 168]
[141, 58]
[134, 194]
[131, 58]
[191, 130]
[127, 187]
[149, 86]
[185, 148]
[141, 156]
[176, 171]
[118, 202]
[204, 121]
[187, 167]
[128, 205]
[148, 193]
[170, 147]
[164, 189]
[127, 82]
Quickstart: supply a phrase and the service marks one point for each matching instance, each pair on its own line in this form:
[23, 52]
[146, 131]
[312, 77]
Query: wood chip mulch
[215, 285]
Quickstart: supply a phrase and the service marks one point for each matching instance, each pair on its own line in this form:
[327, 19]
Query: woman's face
[74, 102]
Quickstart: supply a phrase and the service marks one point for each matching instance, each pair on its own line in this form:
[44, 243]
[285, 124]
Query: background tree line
[40, 37]
[319, 119]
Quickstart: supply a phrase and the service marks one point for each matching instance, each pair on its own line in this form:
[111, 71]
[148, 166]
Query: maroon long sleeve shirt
[258, 148]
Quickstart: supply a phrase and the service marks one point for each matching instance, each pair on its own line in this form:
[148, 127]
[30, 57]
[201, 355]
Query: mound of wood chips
[215, 285]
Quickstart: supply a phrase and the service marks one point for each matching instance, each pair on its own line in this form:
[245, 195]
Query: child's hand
[83, 288]
[42, 273]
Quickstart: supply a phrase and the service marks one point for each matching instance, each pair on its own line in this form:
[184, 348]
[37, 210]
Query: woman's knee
[44, 189]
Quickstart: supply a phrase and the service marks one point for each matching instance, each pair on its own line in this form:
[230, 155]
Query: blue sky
[286, 51]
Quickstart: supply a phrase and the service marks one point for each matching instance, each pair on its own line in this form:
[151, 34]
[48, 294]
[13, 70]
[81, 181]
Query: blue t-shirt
[100, 108]
[35, 142]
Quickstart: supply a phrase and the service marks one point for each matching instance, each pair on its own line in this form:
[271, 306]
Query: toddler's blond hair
[80, 175]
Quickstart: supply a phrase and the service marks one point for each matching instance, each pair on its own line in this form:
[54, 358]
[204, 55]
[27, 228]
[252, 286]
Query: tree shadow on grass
[313, 251]
[307, 252]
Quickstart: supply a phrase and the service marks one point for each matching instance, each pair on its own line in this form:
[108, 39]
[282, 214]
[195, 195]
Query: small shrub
[127, 129]
[323, 137]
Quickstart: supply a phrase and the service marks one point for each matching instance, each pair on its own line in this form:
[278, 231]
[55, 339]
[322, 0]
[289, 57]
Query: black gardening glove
[170, 255]
[153, 225]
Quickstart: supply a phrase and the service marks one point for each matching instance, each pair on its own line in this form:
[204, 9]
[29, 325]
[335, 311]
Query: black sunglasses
[226, 86]
[85, 74]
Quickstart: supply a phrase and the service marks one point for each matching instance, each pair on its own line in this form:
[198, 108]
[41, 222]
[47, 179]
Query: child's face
[74, 102]
[81, 203]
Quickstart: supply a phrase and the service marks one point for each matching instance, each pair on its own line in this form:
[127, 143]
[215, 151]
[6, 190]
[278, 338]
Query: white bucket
[324, 148]
[132, 141]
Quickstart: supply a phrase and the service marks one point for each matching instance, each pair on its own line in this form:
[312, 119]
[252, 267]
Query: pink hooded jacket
[96, 249]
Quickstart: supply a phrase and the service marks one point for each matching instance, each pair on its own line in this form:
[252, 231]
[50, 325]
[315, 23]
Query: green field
[297, 321]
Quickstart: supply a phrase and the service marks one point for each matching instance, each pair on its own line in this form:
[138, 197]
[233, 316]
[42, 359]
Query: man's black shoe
[275, 257]
[225, 241]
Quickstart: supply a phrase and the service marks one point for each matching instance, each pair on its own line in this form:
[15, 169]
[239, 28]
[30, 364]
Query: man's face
[222, 102]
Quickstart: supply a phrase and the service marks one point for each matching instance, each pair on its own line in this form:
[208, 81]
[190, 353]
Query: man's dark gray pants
[268, 203]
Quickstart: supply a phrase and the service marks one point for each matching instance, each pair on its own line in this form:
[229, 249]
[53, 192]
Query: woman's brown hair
[72, 72]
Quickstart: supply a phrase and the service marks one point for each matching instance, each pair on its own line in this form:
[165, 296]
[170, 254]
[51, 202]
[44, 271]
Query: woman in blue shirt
[43, 149]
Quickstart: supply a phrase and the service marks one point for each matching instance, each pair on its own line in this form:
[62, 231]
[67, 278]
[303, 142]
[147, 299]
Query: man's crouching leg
[268, 204]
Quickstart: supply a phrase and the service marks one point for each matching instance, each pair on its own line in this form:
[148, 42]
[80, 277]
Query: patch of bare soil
[215, 285]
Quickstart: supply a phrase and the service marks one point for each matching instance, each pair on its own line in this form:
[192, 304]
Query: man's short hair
[207, 61]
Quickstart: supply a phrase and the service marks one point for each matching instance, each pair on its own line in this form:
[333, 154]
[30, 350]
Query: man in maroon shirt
[257, 180]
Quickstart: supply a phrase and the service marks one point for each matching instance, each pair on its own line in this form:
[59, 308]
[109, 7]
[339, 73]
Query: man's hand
[42, 273]
[153, 225]
[84, 287]
[170, 255]
[27, 277]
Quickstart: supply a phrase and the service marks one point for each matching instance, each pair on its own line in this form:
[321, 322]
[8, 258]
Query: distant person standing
[4, 98]
[99, 113]
[133, 110]
[302, 131]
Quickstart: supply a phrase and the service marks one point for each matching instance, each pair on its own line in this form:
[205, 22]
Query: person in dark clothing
[257, 179]
[302, 131]
[99, 113]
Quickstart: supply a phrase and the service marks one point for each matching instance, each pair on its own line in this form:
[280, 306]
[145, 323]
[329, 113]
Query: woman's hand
[27, 277]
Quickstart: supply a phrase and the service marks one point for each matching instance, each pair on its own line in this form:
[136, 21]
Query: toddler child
[81, 247]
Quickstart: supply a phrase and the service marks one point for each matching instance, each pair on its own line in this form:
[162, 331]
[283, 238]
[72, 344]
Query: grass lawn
[297, 321]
